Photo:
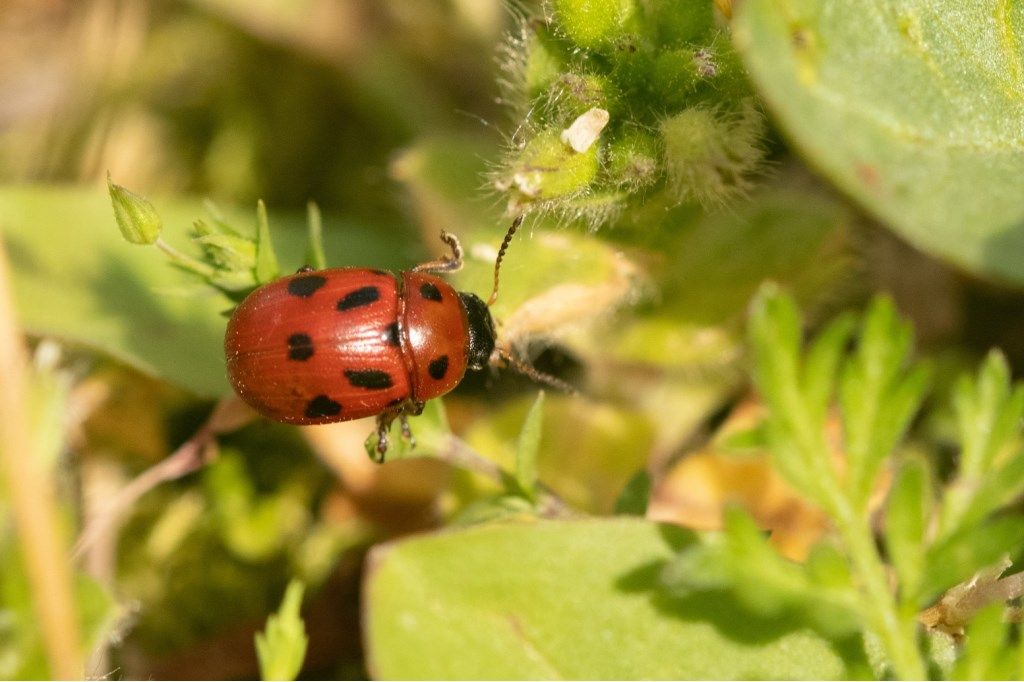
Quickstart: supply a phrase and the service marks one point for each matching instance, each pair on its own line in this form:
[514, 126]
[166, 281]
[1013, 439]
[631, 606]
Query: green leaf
[796, 438]
[771, 584]
[78, 280]
[315, 245]
[821, 363]
[281, 648]
[987, 415]
[913, 108]
[635, 496]
[985, 655]
[959, 557]
[1000, 487]
[876, 395]
[136, 217]
[570, 600]
[991, 472]
[528, 448]
[905, 523]
[266, 260]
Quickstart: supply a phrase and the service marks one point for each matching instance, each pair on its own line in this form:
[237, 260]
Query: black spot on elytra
[306, 286]
[391, 334]
[359, 297]
[322, 406]
[438, 367]
[368, 378]
[430, 292]
[300, 347]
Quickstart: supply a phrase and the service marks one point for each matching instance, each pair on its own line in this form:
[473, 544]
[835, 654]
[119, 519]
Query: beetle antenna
[501, 255]
[529, 370]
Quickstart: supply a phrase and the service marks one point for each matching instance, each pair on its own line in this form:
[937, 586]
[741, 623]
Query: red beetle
[344, 343]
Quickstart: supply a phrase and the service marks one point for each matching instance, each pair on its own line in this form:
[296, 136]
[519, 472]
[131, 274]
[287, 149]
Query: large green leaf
[75, 278]
[913, 107]
[569, 599]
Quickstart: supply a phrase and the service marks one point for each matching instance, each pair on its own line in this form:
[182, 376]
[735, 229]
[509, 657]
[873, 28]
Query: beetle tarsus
[452, 263]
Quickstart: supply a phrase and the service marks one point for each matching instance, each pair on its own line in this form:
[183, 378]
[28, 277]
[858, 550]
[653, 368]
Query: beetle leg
[450, 263]
[304, 269]
[384, 420]
[403, 419]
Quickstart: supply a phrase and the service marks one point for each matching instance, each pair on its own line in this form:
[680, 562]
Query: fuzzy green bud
[544, 62]
[723, 77]
[593, 23]
[633, 159]
[137, 219]
[549, 168]
[572, 94]
[709, 154]
[680, 22]
[675, 75]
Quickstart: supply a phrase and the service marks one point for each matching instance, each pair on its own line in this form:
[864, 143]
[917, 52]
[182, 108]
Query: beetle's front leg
[414, 409]
[384, 420]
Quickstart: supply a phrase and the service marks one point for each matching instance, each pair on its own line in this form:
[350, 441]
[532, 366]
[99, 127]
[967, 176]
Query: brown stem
[33, 502]
[229, 414]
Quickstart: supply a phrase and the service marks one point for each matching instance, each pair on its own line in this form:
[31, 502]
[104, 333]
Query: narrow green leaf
[266, 260]
[985, 649]
[989, 413]
[528, 447]
[699, 567]
[798, 446]
[281, 648]
[998, 488]
[902, 402]
[905, 522]
[772, 585]
[229, 252]
[827, 567]
[959, 557]
[775, 331]
[978, 406]
[822, 361]
[136, 217]
[877, 403]
[635, 496]
[315, 246]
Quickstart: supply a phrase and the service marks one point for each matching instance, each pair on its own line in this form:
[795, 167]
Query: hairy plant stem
[898, 635]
